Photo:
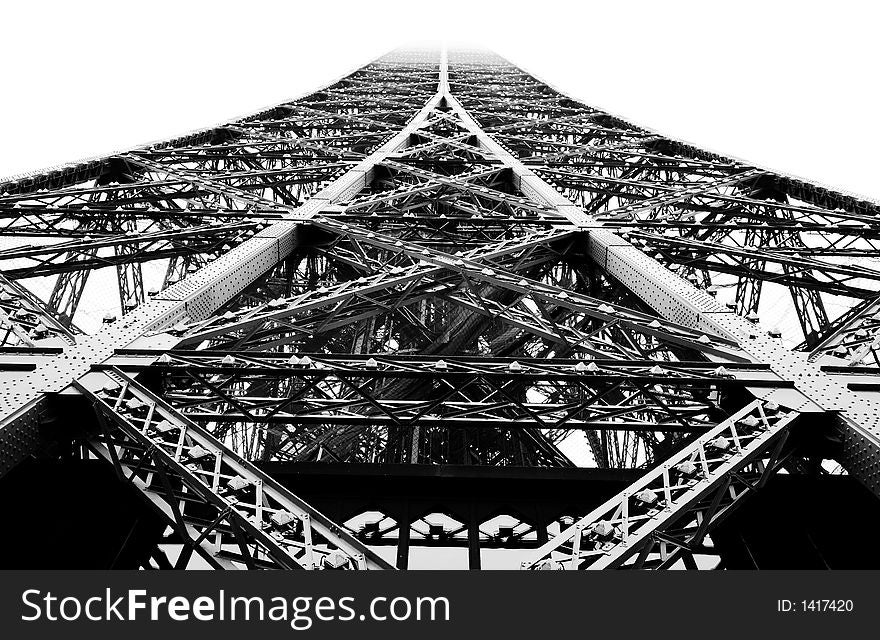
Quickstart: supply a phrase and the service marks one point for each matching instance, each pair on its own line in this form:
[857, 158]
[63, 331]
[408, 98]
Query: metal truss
[439, 260]
[725, 226]
[666, 515]
[218, 504]
[342, 408]
[854, 338]
[26, 322]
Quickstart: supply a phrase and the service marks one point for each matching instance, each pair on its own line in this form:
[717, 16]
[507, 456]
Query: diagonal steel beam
[634, 521]
[23, 400]
[222, 506]
[676, 298]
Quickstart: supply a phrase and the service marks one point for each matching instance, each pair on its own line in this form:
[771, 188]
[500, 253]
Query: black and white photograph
[561, 293]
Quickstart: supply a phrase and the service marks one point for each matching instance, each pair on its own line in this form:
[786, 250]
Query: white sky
[788, 85]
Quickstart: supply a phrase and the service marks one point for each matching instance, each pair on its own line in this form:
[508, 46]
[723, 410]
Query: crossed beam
[187, 307]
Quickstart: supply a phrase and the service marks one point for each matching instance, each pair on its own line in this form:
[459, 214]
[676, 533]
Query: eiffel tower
[436, 314]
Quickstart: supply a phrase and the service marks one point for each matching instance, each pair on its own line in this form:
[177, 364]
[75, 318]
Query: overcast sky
[790, 86]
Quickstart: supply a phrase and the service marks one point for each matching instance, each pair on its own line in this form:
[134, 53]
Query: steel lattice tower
[435, 304]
